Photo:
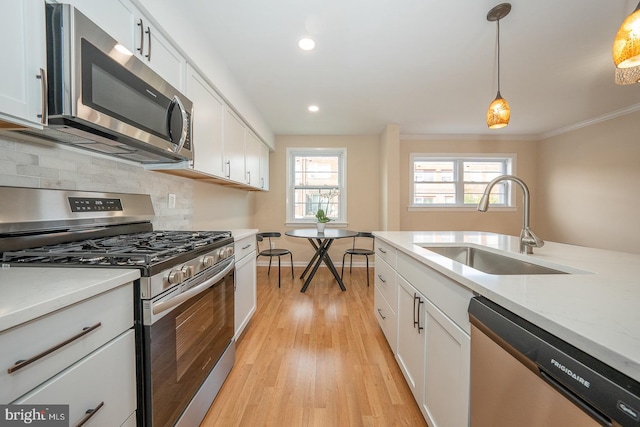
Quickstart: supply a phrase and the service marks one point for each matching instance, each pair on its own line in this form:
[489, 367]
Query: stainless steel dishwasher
[523, 376]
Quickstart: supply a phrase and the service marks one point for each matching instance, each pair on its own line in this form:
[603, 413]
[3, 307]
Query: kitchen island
[594, 307]
[424, 284]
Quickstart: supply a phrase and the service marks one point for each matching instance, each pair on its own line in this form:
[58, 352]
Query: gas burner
[139, 249]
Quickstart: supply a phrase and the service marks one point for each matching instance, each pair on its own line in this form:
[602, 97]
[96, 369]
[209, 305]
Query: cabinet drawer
[244, 247]
[449, 296]
[386, 252]
[387, 318]
[106, 376]
[386, 281]
[112, 311]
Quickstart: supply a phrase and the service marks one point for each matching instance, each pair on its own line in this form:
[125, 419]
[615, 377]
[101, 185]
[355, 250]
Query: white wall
[589, 185]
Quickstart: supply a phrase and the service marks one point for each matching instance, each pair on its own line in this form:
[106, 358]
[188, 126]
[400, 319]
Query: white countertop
[241, 233]
[596, 308]
[27, 293]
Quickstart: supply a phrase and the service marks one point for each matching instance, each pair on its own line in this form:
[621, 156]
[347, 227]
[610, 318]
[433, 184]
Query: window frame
[509, 160]
[292, 154]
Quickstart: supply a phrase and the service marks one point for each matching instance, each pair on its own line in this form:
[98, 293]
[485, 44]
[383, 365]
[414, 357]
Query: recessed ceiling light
[306, 43]
[313, 108]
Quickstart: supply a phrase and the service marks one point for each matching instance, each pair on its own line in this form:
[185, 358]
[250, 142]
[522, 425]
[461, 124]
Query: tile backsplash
[50, 165]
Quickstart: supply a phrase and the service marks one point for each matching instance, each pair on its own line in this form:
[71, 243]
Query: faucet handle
[529, 238]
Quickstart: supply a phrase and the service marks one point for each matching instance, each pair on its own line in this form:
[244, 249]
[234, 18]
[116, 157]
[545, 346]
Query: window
[458, 181]
[316, 180]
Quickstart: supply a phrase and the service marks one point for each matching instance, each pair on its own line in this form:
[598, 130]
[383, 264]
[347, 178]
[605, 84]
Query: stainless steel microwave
[103, 98]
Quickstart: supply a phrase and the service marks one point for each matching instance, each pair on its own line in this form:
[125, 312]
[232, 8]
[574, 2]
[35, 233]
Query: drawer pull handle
[381, 278]
[416, 314]
[22, 363]
[382, 250]
[89, 413]
[246, 247]
[380, 313]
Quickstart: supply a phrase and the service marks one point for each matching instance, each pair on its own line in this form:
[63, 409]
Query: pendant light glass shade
[627, 76]
[626, 45]
[499, 113]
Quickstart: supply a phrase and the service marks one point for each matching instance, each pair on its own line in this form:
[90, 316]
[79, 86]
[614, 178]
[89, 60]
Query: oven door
[186, 331]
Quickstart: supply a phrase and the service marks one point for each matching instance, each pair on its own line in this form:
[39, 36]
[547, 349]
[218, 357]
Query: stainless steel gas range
[184, 300]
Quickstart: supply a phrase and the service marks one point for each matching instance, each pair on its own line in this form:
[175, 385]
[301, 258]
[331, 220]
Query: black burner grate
[135, 249]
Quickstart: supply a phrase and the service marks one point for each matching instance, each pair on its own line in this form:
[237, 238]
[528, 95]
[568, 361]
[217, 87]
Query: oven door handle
[158, 308]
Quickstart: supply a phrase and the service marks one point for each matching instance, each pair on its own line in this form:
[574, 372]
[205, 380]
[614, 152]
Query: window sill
[459, 208]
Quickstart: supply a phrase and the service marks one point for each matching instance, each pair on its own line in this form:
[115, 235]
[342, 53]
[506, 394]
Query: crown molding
[603, 118]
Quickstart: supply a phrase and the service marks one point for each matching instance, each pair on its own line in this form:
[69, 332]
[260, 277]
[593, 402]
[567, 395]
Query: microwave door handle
[175, 102]
[158, 308]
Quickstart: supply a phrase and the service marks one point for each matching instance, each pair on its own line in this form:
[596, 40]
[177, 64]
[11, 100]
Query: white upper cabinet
[252, 159]
[234, 146]
[116, 18]
[208, 117]
[158, 52]
[22, 94]
[126, 24]
[264, 167]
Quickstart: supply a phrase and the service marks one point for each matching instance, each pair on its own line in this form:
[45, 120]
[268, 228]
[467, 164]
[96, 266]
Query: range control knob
[187, 271]
[226, 252]
[175, 277]
[209, 260]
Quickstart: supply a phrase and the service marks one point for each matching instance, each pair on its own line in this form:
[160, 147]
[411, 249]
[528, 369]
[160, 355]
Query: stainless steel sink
[489, 262]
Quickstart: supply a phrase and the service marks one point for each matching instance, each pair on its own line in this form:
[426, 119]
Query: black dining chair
[359, 251]
[271, 251]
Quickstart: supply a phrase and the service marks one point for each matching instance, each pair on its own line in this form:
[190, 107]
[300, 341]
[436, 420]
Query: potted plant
[322, 220]
[321, 214]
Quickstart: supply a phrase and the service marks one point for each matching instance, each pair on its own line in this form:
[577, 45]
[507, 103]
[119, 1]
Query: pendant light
[499, 113]
[626, 50]
[626, 45]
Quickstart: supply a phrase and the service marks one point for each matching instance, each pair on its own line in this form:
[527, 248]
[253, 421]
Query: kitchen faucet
[528, 239]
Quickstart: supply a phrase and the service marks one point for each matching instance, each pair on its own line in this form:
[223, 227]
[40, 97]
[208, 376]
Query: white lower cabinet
[411, 337]
[387, 319]
[82, 355]
[104, 382]
[246, 281]
[447, 371]
[386, 301]
[431, 342]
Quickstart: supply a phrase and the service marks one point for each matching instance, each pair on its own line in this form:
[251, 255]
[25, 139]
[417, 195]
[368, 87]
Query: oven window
[184, 345]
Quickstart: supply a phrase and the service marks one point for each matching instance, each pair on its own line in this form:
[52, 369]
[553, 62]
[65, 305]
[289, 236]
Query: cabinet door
[234, 146]
[158, 52]
[411, 337]
[104, 381]
[252, 159]
[115, 17]
[24, 62]
[264, 167]
[208, 114]
[447, 371]
[245, 297]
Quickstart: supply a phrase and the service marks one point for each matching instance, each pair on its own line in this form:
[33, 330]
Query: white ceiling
[426, 65]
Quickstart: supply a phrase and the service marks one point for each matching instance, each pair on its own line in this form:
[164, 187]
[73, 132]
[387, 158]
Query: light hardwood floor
[314, 359]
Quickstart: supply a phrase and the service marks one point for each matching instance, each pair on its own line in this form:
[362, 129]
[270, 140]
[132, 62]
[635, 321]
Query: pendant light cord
[498, 22]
